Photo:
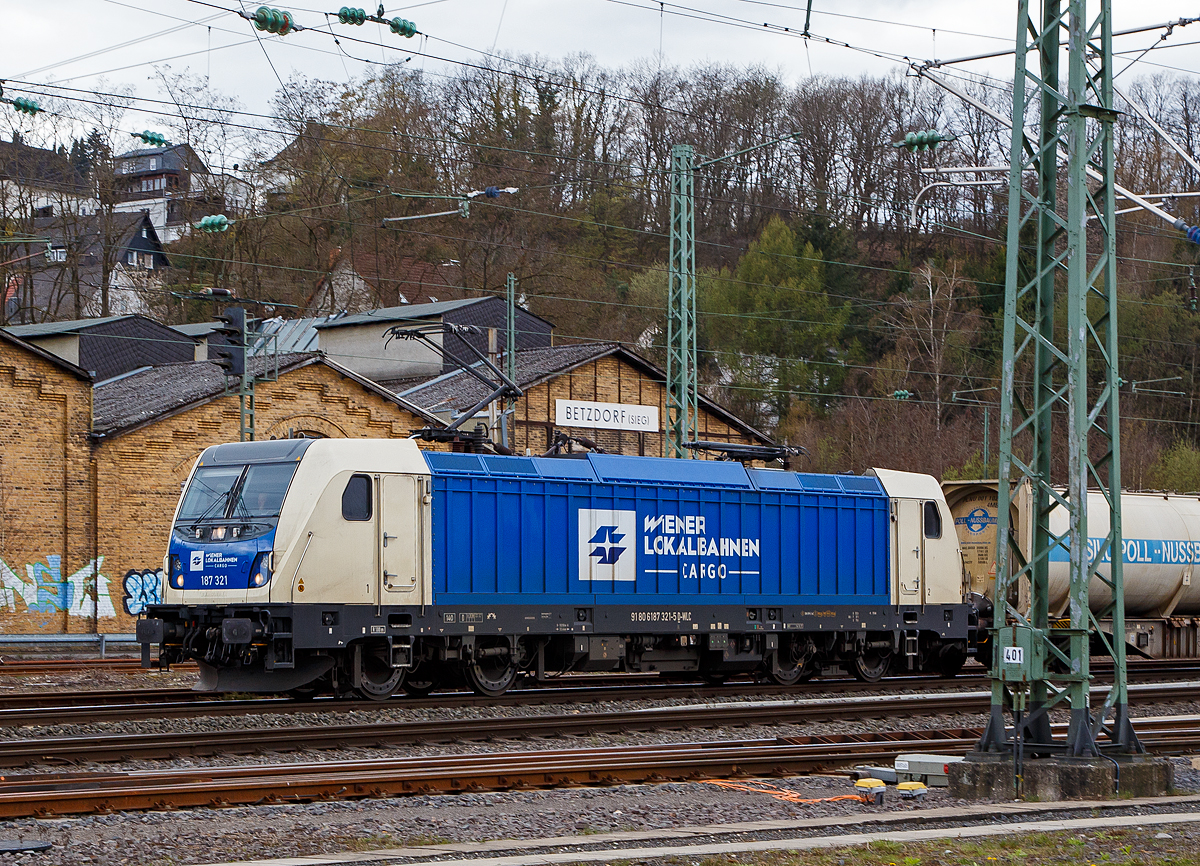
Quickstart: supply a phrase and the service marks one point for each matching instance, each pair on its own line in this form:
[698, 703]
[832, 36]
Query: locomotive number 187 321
[214, 580]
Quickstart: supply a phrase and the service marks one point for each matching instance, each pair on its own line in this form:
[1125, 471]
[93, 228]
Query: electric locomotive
[368, 566]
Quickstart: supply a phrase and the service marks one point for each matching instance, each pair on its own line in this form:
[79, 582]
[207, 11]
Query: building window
[56, 254]
[131, 258]
[356, 498]
[154, 163]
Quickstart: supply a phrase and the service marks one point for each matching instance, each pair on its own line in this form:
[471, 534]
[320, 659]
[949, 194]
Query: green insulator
[403, 27]
[273, 20]
[28, 106]
[350, 15]
[264, 18]
[214, 223]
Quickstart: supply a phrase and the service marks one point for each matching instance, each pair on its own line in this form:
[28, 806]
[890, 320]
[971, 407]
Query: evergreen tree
[773, 330]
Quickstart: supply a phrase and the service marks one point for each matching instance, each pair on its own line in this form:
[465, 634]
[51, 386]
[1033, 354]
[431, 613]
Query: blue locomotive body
[367, 566]
[620, 530]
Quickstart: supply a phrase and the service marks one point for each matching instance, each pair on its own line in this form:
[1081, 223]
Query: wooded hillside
[820, 296]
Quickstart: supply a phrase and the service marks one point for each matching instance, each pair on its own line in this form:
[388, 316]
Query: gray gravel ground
[208, 835]
[96, 679]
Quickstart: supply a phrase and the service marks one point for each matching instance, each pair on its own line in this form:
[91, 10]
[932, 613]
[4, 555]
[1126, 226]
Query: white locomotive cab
[926, 565]
[355, 526]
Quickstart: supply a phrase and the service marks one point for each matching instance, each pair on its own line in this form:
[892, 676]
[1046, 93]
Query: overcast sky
[76, 42]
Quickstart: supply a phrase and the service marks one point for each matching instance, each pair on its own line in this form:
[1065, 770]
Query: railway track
[109, 664]
[67, 794]
[34, 708]
[80, 707]
[240, 741]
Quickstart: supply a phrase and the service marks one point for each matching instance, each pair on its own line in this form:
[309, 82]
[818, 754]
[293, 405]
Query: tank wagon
[369, 566]
[1161, 549]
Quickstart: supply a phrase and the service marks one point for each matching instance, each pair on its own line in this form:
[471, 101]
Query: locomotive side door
[401, 539]
[907, 559]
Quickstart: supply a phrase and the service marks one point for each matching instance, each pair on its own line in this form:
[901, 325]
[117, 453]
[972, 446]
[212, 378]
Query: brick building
[89, 475]
[47, 516]
[603, 373]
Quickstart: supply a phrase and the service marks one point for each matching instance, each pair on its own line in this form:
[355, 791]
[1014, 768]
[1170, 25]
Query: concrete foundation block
[983, 776]
[989, 776]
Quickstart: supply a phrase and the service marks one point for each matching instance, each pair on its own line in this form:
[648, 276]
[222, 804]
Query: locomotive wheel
[950, 662]
[492, 675]
[420, 681]
[378, 680]
[801, 673]
[795, 665]
[870, 666]
[715, 678]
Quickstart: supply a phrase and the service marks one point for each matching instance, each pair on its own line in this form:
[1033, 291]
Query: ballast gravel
[259, 832]
[256, 832]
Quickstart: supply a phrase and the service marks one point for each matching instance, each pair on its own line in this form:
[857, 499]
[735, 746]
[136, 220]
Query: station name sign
[606, 416]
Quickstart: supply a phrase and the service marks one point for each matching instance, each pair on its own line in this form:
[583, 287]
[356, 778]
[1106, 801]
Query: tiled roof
[145, 396]
[88, 235]
[460, 390]
[50, 329]
[116, 344]
[149, 394]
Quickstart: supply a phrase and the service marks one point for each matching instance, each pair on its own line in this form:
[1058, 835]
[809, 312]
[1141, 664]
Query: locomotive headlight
[179, 581]
[260, 574]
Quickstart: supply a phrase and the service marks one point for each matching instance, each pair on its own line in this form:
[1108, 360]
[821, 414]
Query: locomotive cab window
[932, 520]
[356, 498]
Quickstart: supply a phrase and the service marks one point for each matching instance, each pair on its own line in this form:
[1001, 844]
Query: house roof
[400, 313]
[459, 390]
[53, 329]
[35, 166]
[175, 156]
[74, 370]
[292, 335]
[146, 396]
[86, 233]
[114, 345]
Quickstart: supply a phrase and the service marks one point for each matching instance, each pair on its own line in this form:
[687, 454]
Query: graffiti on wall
[142, 588]
[44, 589]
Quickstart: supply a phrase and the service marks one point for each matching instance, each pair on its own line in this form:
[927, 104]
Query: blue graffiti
[53, 593]
[45, 589]
[142, 589]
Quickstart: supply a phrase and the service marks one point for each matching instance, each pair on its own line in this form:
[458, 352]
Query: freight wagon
[1161, 549]
[368, 566]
